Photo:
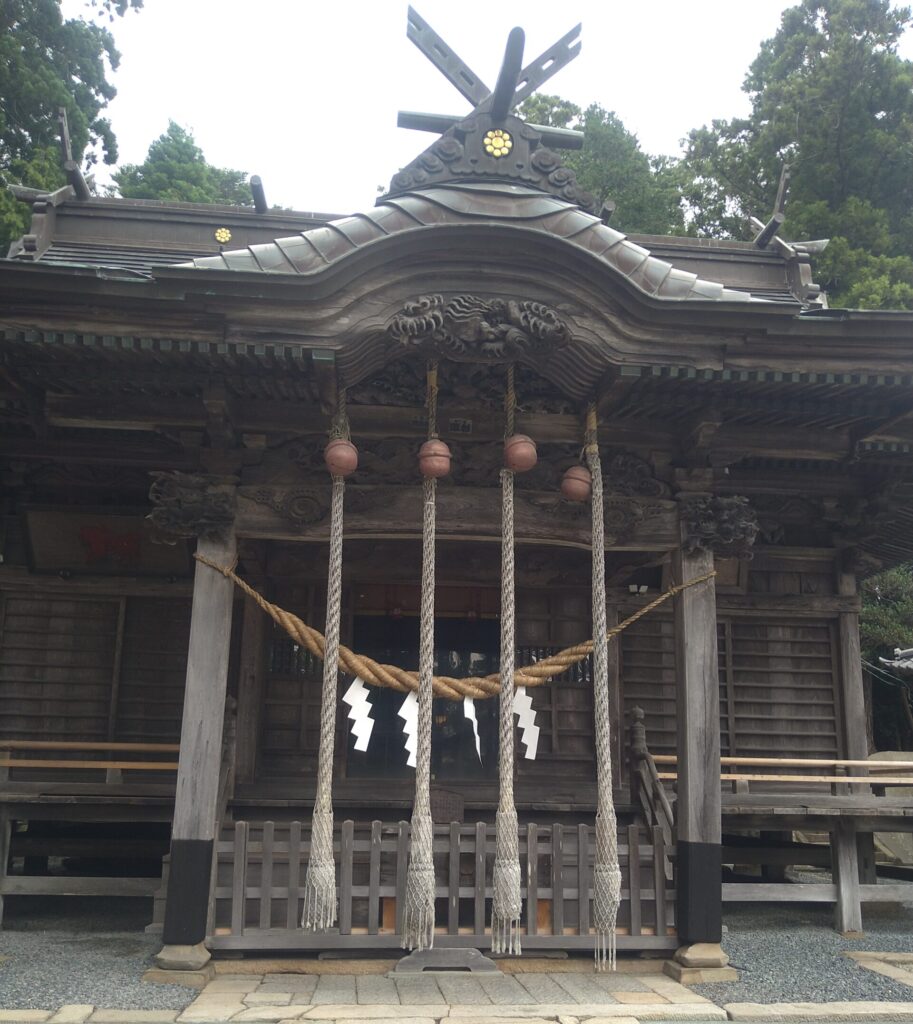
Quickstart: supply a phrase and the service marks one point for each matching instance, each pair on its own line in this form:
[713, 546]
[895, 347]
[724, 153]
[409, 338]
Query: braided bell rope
[606, 873]
[418, 909]
[320, 906]
[376, 673]
[507, 902]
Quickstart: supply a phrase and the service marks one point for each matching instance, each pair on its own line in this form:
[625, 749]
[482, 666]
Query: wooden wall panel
[783, 688]
[153, 669]
[57, 665]
[777, 685]
[648, 677]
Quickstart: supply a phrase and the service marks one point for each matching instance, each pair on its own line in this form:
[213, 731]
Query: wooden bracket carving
[726, 526]
[191, 505]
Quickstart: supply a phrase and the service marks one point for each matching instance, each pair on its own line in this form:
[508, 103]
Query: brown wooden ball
[577, 483]
[341, 457]
[434, 459]
[520, 453]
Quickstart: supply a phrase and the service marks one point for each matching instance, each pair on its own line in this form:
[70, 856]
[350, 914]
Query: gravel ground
[792, 954]
[81, 950]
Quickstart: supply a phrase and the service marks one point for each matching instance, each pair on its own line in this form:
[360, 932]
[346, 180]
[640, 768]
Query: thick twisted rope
[375, 673]
[418, 912]
[319, 911]
[606, 874]
[506, 902]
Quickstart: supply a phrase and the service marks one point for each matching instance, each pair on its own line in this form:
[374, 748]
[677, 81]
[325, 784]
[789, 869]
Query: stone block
[183, 958]
[73, 1013]
[854, 1012]
[368, 1011]
[702, 954]
[190, 979]
[261, 998]
[134, 1016]
[699, 975]
[25, 1016]
[271, 1013]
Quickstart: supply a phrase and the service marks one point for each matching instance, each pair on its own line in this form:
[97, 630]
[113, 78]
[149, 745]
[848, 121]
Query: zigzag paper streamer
[360, 713]
[526, 720]
[469, 710]
[409, 714]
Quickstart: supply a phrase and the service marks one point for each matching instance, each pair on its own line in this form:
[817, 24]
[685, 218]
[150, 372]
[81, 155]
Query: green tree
[831, 97]
[886, 622]
[611, 165]
[47, 62]
[176, 170]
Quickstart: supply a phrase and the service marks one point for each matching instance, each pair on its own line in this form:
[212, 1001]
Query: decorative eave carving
[191, 505]
[302, 506]
[726, 525]
[475, 329]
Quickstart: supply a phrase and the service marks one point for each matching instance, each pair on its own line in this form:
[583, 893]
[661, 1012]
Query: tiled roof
[902, 662]
[496, 203]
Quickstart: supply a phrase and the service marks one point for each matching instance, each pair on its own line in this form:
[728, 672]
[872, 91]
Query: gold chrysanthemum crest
[498, 142]
[222, 235]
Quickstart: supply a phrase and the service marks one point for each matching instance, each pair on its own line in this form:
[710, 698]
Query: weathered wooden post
[709, 524]
[204, 507]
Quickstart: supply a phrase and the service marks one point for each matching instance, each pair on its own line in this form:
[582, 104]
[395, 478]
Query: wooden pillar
[200, 758]
[846, 845]
[698, 805]
[856, 744]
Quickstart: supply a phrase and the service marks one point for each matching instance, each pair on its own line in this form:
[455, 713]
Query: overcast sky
[305, 92]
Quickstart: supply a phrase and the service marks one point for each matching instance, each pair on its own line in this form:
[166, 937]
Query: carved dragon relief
[467, 327]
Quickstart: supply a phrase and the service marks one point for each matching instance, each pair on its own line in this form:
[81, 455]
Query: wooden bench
[842, 797]
[88, 782]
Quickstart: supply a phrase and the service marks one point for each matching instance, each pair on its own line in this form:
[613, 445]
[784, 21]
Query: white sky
[305, 92]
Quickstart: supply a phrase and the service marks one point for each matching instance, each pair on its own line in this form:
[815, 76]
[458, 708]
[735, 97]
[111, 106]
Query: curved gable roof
[495, 203]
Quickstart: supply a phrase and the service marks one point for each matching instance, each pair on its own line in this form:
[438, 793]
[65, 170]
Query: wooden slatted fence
[260, 874]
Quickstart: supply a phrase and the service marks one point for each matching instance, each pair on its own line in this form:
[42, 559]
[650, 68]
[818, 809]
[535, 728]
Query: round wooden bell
[520, 453]
[434, 459]
[576, 484]
[341, 457]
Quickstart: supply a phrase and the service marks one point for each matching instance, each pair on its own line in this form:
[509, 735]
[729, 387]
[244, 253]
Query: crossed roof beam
[515, 82]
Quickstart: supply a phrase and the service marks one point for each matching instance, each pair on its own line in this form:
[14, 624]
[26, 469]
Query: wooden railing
[260, 882]
[112, 766]
[775, 770]
[647, 790]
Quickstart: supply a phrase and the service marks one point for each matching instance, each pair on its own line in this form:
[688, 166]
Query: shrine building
[171, 376]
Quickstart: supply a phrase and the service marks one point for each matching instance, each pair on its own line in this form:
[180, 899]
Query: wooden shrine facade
[744, 428]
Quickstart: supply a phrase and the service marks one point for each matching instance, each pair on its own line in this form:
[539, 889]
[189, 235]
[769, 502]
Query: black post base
[187, 899]
[699, 882]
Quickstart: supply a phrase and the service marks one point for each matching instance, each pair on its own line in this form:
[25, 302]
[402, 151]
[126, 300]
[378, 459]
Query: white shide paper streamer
[360, 713]
[469, 710]
[409, 714]
[526, 720]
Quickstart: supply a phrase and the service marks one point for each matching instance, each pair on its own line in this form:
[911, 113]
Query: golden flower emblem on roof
[498, 142]
[222, 235]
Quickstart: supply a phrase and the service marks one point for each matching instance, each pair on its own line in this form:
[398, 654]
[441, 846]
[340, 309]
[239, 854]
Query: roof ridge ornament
[491, 143]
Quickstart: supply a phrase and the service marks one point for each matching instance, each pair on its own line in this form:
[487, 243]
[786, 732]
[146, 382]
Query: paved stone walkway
[534, 997]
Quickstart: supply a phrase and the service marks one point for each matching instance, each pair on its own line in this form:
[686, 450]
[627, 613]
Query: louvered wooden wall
[81, 668]
[778, 685]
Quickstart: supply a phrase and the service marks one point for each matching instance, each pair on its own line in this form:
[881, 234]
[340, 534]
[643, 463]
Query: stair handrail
[646, 786]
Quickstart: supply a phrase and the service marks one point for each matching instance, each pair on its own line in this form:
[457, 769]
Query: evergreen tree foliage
[612, 165]
[831, 97]
[176, 170]
[47, 62]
